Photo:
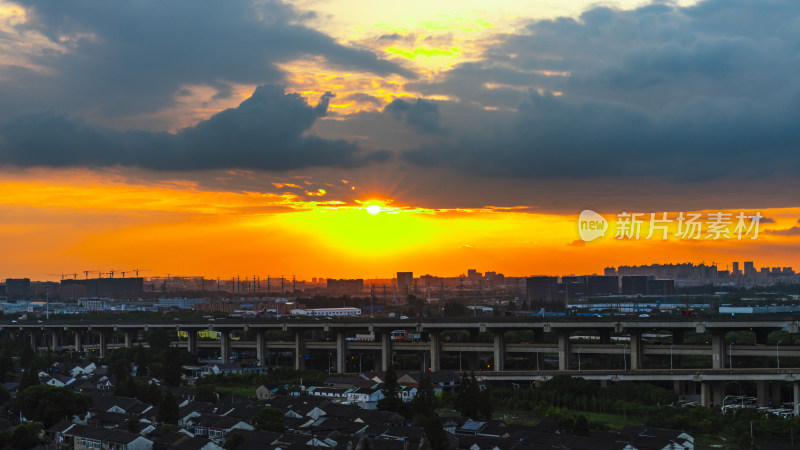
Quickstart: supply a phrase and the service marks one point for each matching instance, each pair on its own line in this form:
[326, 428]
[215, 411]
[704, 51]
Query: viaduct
[565, 337]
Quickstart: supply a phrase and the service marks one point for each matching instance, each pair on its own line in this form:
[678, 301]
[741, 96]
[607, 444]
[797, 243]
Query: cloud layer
[267, 131]
[679, 93]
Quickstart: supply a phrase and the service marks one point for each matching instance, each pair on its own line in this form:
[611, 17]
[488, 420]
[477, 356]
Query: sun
[374, 209]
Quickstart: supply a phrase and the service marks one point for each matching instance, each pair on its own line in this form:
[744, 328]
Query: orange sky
[57, 222]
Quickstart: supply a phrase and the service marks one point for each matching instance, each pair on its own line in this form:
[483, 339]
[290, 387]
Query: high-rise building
[736, 272]
[404, 280]
[599, 285]
[635, 284]
[749, 269]
[18, 288]
[542, 288]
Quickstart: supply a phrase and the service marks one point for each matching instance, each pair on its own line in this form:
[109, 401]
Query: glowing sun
[374, 209]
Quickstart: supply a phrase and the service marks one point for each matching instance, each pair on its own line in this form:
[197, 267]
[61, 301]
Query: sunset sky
[249, 137]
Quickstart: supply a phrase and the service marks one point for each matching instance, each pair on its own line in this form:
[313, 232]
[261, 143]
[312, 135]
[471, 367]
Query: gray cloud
[660, 91]
[421, 115]
[794, 231]
[131, 58]
[266, 131]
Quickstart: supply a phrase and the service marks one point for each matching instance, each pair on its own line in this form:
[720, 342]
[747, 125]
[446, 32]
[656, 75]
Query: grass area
[248, 391]
[614, 421]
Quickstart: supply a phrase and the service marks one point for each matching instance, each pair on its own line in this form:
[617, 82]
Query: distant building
[346, 286]
[661, 287]
[179, 302]
[749, 269]
[404, 280]
[542, 291]
[331, 312]
[635, 284]
[130, 288]
[601, 285]
[736, 272]
[18, 288]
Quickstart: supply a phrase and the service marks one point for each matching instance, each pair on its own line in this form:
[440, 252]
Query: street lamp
[579, 359]
[625, 357]
[329, 363]
[730, 355]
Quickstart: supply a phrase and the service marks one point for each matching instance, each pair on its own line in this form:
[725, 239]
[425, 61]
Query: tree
[29, 378]
[424, 402]
[234, 440]
[121, 370]
[468, 398]
[27, 358]
[581, 426]
[159, 340]
[173, 369]
[206, 393]
[50, 404]
[134, 425]
[168, 411]
[435, 434]
[26, 435]
[269, 419]
[142, 361]
[391, 392]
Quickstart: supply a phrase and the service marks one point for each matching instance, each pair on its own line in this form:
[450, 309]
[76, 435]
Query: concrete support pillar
[705, 394]
[386, 350]
[796, 398]
[191, 341]
[341, 352]
[473, 358]
[128, 338]
[224, 346]
[436, 351]
[605, 336]
[499, 350]
[762, 393]
[678, 387]
[776, 394]
[78, 341]
[33, 339]
[104, 338]
[718, 357]
[299, 351]
[719, 393]
[563, 351]
[260, 347]
[636, 350]
[55, 340]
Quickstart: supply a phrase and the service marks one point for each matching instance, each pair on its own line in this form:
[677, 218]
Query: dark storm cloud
[267, 131]
[126, 58]
[421, 115]
[690, 93]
